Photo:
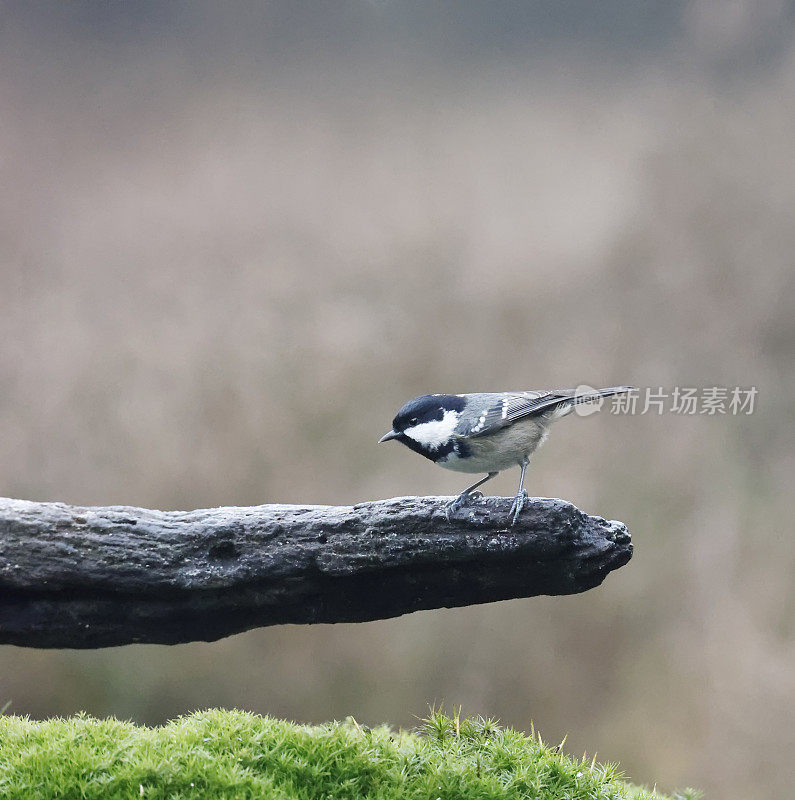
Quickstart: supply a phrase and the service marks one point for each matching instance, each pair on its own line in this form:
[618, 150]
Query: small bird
[486, 432]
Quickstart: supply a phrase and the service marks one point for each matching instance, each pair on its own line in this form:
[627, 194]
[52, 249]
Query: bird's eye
[413, 421]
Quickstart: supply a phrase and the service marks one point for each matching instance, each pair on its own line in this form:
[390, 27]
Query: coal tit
[486, 432]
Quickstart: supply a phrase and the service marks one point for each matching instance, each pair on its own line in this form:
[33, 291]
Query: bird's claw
[517, 506]
[459, 502]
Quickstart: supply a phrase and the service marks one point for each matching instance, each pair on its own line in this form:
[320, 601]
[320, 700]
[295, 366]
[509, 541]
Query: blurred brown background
[235, 238]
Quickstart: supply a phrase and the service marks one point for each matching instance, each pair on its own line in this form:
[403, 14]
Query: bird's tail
[584, 396]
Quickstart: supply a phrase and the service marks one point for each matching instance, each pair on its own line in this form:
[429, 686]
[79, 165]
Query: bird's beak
[387, 436]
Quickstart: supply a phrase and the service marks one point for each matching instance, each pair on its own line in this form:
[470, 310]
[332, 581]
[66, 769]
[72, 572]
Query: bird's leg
[521, 495]
[467, 494]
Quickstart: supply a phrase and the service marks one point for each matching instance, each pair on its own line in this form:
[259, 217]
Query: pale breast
[501, 450]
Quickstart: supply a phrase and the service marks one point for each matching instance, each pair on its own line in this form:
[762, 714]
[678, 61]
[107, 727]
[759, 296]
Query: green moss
[231, 754]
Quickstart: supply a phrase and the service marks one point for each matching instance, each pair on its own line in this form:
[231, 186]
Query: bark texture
[97, 577]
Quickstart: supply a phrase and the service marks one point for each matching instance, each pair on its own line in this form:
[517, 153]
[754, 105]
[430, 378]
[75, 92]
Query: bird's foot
[517, 506]
[459, 502]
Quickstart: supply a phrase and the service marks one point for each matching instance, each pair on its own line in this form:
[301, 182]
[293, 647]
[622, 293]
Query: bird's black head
[428, 408]
[426, 424]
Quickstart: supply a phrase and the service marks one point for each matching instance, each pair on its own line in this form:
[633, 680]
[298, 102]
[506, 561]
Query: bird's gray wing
[507, 408]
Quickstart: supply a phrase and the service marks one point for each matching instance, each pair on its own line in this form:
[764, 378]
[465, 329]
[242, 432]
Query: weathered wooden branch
[97, 577]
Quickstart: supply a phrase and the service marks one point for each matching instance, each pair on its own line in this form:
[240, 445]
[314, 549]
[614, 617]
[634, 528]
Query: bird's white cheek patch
[435, 433]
